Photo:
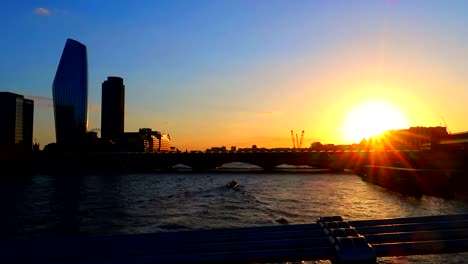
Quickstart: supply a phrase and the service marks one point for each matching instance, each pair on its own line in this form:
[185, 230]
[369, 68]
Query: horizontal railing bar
[175, 241]
[408, 220]
[417, 236]
[366, 230]
[182, 235]
[389, 237]
[246, 236]
[382, 250]
[85, 251]
[289, 255]
[147, 246]
[421, 248]
[249, 246]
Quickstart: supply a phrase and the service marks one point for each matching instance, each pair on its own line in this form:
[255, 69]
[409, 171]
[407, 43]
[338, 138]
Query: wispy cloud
[270, 113]
[42, 11]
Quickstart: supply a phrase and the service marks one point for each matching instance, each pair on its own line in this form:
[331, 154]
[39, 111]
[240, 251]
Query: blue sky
[215, 73]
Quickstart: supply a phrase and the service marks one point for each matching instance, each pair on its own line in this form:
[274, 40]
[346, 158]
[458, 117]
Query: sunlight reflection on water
[142, 203]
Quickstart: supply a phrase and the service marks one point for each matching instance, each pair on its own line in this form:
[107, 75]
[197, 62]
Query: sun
[371, 118]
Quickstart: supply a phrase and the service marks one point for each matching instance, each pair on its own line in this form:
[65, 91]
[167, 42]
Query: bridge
[433, 172]
[267, 160]
[198, 161]
[330, 238]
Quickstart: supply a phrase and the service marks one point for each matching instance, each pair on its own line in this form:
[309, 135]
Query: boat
[232, 184]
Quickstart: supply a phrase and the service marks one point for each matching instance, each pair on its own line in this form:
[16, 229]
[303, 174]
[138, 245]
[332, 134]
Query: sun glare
[371, 118]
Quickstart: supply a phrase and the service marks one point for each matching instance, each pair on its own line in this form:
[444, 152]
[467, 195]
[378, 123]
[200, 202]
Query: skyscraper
[112, 108]
[16, 119]
[70, 93]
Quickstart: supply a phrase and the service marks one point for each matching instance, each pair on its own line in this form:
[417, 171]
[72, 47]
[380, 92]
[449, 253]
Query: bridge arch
[239, 165]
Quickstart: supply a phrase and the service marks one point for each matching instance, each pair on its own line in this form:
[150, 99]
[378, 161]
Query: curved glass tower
[70, 94]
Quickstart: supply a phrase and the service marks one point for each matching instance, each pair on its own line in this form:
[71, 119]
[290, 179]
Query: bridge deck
[387, 237]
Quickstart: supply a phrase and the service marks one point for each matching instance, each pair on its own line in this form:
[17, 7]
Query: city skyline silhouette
[242, 73]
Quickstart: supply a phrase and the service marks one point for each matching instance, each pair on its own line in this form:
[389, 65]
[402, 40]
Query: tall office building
[16, 119]
[112, 109]
[70, 93]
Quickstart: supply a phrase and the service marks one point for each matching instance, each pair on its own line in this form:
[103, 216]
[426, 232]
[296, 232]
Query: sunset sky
[224, 73]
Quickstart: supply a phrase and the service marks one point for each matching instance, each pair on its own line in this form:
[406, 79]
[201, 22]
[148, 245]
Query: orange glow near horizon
[371, 118]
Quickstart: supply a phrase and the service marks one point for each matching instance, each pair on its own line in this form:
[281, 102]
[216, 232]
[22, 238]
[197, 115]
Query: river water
[45, 206]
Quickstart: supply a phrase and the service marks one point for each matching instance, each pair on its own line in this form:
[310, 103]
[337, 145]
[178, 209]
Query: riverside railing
[330, 238]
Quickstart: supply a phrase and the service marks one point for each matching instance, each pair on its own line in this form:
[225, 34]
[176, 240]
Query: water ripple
[140, 203]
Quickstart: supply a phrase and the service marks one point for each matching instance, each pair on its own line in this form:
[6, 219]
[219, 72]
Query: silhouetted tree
[316, 146]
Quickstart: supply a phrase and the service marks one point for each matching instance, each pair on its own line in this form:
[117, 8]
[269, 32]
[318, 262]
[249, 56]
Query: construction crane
[296, 142]
[302, 137]
[292, 137]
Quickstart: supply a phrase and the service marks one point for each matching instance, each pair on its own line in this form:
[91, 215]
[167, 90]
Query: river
[63, 205]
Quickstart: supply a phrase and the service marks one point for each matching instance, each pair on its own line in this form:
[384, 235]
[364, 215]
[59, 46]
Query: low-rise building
[16, 120]
[146, 140]
[413, 138]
